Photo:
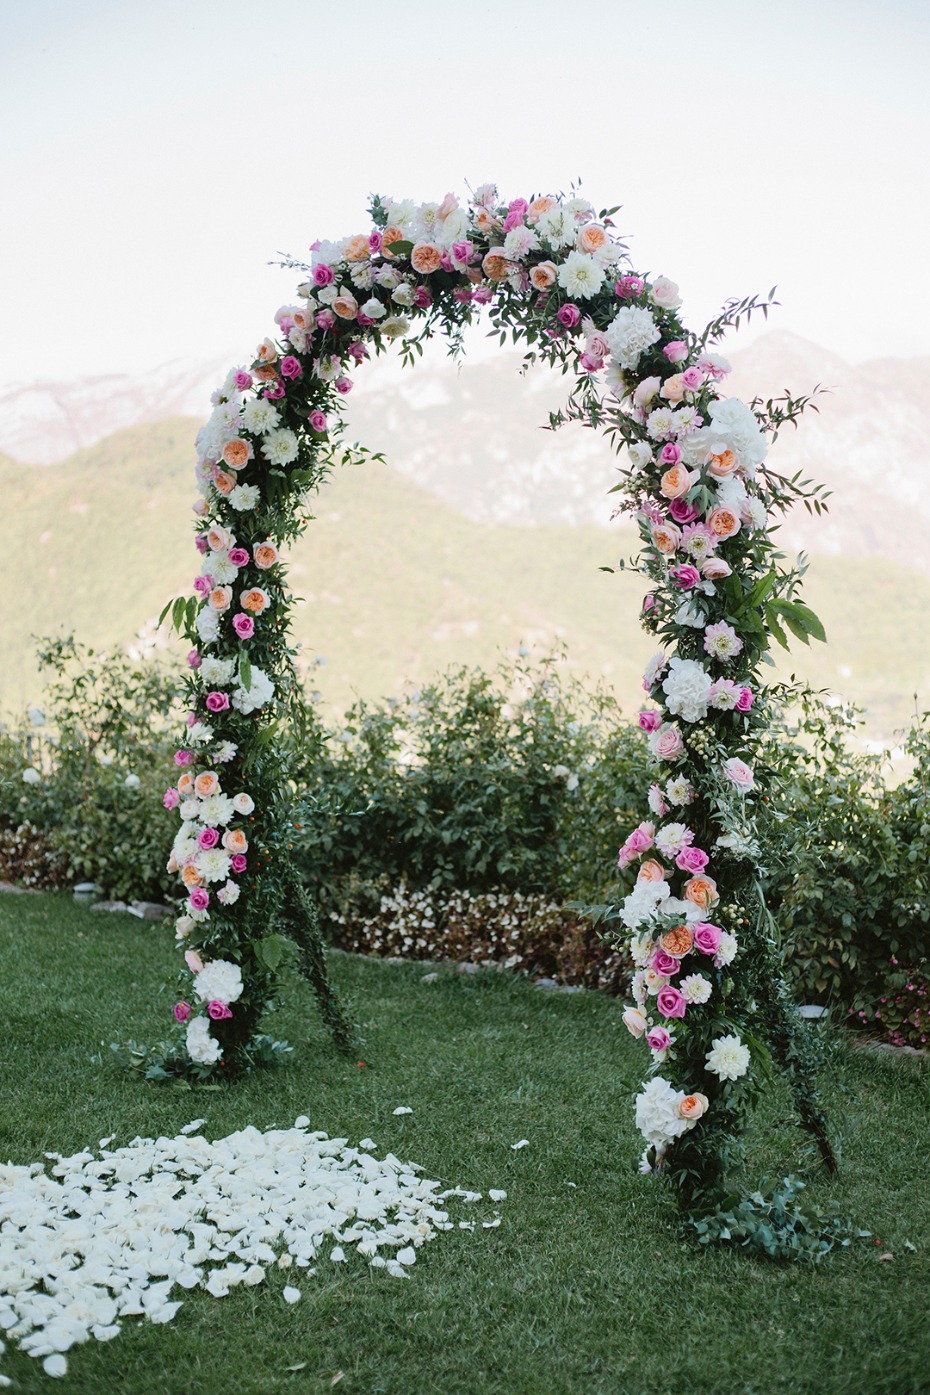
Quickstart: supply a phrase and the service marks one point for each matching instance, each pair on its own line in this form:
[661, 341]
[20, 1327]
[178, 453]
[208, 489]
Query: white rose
[664, 293]
[243, 803]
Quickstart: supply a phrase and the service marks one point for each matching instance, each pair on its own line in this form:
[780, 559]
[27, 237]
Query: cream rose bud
[665, 294]
[646, 391]
[635, 1021]
[243, 803]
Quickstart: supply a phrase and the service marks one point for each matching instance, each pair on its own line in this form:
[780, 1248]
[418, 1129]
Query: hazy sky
[157, 155]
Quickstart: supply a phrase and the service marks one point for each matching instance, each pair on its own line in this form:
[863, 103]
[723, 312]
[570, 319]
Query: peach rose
[224, 481]
[484, 221]
[265, 555]
[723, 522]
[673, 389]
[693, 1106]
[206, 784]
[651, 871]
[235, 841]
[305, 319]
[265, 372]
[426, 257]
[666, 537]
[646, 391]
[220, 598]
[190, 876]
[702, 891]
[494, 264]
[676, 481]
[267, 352]
[345, 306]
[255, 600]
[236, 453]
[715, 569]
[186, 784]
[677, 942]
[538, 207]
[218, 538]
[543, 276]
[391, 234]
[356, 250]
[592, 238]
[722, 465]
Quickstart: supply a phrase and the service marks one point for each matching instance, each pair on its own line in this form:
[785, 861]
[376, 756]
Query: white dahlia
[280, 447]
[581, 275]
[728, 1058]
[259, 416]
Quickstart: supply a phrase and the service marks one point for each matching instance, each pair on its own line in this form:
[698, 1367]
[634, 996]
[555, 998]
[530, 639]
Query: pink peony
[218, 1010]
[650, 721]
[659, 1038]
[199, 899]
[692, 861]
[171, 798]
[184, 758]
[244, 627]
[207, 838]
[707, 937]
[670, 1002]
[217, 702]
[182, 1011]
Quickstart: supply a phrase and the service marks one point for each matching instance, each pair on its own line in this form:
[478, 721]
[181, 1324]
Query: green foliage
[774, 1222]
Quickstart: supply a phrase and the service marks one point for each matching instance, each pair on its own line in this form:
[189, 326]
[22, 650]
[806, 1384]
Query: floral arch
[709, 1002]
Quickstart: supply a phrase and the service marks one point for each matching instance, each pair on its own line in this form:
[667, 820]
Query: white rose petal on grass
[216, 1202]
[55, 1366]
[193, 1126]
[495, 1194]
[523, 1143]
[402, 1109]
[303, 1122]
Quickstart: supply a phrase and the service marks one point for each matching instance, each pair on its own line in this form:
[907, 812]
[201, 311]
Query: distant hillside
[396, 583]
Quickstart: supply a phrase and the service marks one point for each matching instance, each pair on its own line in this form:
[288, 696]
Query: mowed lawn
[585, 1287]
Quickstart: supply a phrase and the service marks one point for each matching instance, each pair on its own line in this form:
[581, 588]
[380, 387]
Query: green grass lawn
[583, 1288]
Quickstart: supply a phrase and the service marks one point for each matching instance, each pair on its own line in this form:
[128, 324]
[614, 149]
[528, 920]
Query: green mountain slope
[395, 584]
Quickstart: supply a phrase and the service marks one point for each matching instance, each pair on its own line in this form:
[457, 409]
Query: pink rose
[207, 838]
[171, 799]
[744, 701]
[243, 380]
[685, 576]
[463, 252]
[374, 242]
[193, 961]
[665, 964]
[569, 316]
[692, 378]
[659, 1039]
[343, 386]
[182, 1011]
[590, 364]
[676, 351]
[715, 569]
[650, 721]
[422, 296]
[692, 861]
[740, 773]
[203, 585]
[670, 1002]
[317, 420]
[628, 287]
[682, 512]
[290, 367]
[642, 838]
[244, 627]
[483, 295]
[648, 603]
[358, 351]
[239, 556]
[323, 276]
[239, 862]
[201, 544]
[184, 758]
[199, 899]
[218, 702]
[597, 345]
[274, 392]
[217, 1010]
[707, 937]
[325, 319]
[634, 1021]
[194, 659]
[671, 454]
[668, 743]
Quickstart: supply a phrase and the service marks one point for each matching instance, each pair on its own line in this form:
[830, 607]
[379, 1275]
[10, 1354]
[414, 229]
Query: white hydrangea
[201, 1046]
[259, 692]
[244, 497]
[219, 981]
[657, 1112]
[582, 276]
[630, 333]
[260, 416]
[207, 624]
[641, 904]
[280, 447]
[687, 689]
[736, 426]
[728, 1058]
